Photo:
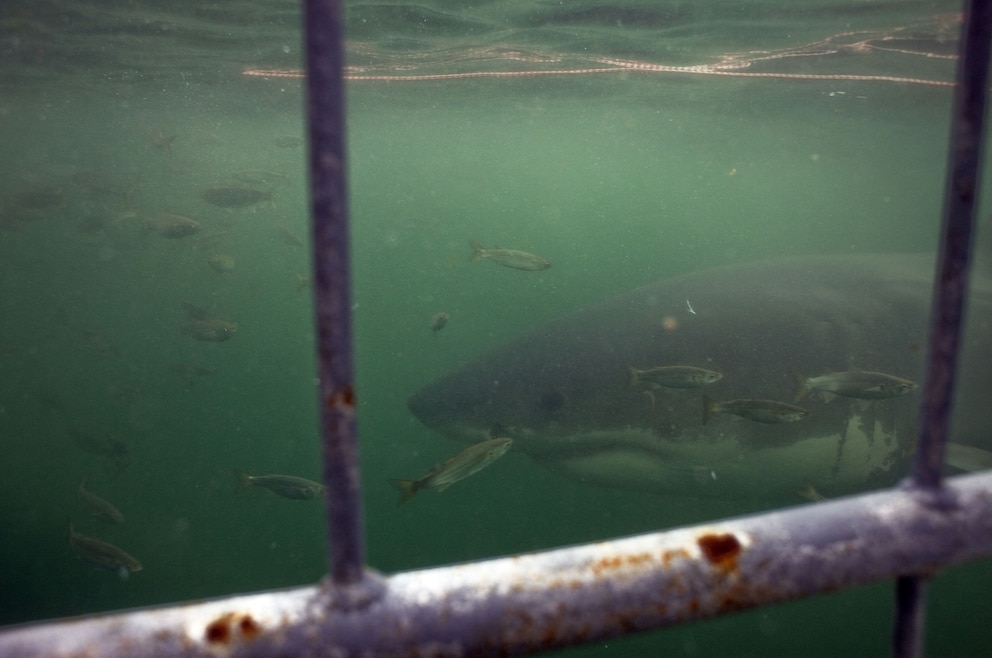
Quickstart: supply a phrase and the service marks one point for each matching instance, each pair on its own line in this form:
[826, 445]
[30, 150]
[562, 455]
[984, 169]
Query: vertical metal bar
[961, 189]
[907, 636]
[328, 192]
[951, 281]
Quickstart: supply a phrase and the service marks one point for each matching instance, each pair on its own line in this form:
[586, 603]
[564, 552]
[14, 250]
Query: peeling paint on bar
[541, 601]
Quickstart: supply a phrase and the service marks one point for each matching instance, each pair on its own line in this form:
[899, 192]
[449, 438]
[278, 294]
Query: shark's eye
[552, 401]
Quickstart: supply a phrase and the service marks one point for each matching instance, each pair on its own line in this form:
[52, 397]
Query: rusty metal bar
[529, 603]
[950, 291]
[332, 294]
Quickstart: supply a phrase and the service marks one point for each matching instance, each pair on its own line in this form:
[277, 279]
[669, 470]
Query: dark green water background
[618, 179]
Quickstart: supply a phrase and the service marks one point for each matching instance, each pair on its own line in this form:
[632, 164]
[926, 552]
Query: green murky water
[109, 118]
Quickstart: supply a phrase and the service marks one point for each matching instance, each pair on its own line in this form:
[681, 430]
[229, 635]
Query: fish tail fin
[244, 480]
[635, 378]
[477, 250]
[408, 489]
[967, 458]
[810, 493]
[802, 388]
[709, 409]
[651, 399]
[194, 312]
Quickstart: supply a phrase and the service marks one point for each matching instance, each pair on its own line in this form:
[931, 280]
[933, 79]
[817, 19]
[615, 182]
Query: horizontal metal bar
[568, 596]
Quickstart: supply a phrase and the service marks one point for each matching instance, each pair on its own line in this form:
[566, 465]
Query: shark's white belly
[724, 467]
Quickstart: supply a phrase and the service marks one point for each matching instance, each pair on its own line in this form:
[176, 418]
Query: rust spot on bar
[612, 563]
[225, 628]
[342, 399]
[669, 556]
[720, 550]
[249, 627]
[218, 632]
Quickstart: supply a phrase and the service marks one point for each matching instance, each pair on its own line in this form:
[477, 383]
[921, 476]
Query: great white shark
[562, 390]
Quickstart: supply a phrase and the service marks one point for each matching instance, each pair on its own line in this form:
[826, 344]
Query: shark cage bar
[564, 597]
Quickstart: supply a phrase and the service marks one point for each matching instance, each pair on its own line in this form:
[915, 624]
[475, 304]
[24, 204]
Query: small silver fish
[39, 197]
[221, 263]
[235, 195]
[171, 226]
[520, 260]
[287, 236]
[163, 141]
[467, 462]
[257, 177]
[98, 506]
[673, 376]
[760, 411]
[211, 331]
[105, 445]
[103, 554]
[438, 322]
[204, 326]
[287, 486]
[860, 384]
